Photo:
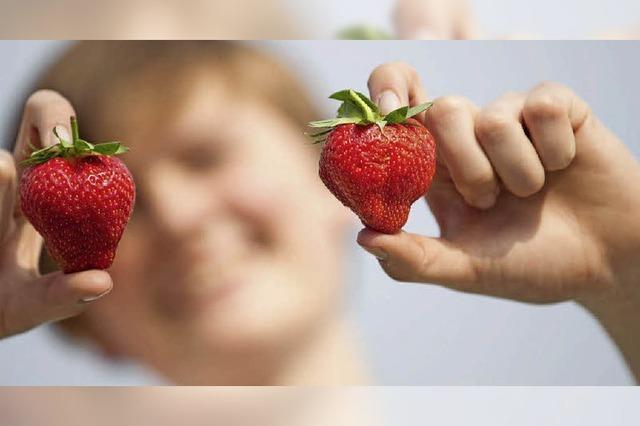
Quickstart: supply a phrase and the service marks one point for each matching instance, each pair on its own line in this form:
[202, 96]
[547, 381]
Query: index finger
[43, 111]
[394, 85]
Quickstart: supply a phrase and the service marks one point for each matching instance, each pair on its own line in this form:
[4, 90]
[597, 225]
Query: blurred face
[428, 19]
[234, 246]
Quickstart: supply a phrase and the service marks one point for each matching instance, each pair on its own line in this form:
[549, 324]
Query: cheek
[272, 206]
[130, 301]
[281, 195]
[288, 176]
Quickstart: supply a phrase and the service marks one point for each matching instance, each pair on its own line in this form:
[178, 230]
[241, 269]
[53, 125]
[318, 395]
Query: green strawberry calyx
[357, 108]
[363, 32]
[75, 148]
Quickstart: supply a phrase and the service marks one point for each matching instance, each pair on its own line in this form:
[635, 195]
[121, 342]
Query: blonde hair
[91, 74]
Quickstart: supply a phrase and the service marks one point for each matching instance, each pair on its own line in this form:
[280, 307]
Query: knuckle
[411, 72]
[561, 159]
[551, 87]
[490, 124]
[478, 181]
[445, 108]
[398, 65]
[547, 85]
[531, 183]
[544, 106]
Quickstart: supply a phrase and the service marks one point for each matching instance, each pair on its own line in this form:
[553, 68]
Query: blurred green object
[363, 32]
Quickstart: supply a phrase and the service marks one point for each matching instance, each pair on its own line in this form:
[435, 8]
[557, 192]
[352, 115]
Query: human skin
[144, 19]
[170, 405]
[454, 19]
[536, 200]
[219, 267]
[28, 299]
[434, 20]
[219, 279]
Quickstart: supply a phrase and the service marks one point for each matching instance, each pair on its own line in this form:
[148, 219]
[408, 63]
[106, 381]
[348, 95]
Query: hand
[434, 20]
[536, 201]
[26, 298]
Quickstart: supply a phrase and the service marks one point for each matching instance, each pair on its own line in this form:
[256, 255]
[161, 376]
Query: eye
[202, 159]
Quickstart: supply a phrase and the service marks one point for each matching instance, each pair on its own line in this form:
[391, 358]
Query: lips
[186, 287]
[206, 267]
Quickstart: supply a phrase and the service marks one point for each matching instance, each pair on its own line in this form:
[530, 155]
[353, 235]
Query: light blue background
[497, 18]
[509, 406]
[413, 334]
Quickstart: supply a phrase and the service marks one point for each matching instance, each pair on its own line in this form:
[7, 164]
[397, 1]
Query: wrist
[618, 311]
[617, 292]
[615, 304]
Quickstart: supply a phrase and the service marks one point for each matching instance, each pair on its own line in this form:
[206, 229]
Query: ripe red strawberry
[376, 165]
[79, 197]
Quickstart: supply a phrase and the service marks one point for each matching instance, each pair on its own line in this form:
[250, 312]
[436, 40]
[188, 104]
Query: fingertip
[388, 101]
[377, 243]
[92, 283]
[398, 254]
[7, 166]
[368, 237]
[364, 240]
[394, 77]
[82, 287]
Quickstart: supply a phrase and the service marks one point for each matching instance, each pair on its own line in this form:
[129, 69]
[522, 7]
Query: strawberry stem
[75, 148]
[357, 108]
[75, 133]
[369, 115]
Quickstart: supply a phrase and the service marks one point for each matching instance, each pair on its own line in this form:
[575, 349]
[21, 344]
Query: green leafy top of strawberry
[357, 108]
[75, 148]
[363, 32]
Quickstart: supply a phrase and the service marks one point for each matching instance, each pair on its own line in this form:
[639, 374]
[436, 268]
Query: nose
[178, 204]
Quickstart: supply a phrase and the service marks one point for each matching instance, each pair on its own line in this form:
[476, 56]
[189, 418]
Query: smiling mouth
[201, 287]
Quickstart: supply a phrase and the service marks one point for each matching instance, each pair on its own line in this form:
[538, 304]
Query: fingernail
[62, 132]
[388, 102]
[379, 253]
[94, 298]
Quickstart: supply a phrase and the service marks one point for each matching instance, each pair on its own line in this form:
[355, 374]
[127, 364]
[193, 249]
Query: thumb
[52, 297]
[415, 258]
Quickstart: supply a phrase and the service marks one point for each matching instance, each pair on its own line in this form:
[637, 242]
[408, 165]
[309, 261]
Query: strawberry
[79, 197]
[376, 165]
